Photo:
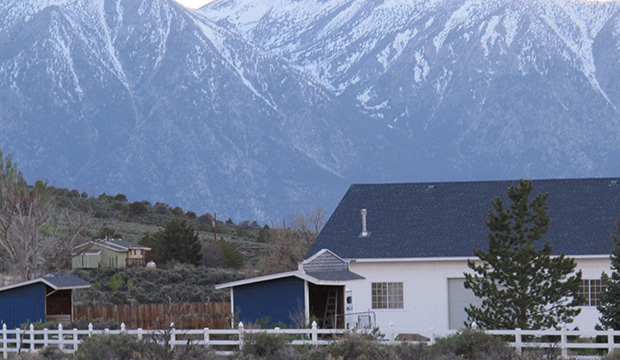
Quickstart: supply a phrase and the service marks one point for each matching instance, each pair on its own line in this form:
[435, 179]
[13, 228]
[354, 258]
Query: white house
[407, 246]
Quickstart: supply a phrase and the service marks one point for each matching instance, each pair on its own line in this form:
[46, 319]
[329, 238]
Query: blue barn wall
[22, 304]
[278, 299]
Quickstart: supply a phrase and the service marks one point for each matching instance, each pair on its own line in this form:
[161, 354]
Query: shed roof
[436, 220]
[114, 244]
[317, 278]
[59, 282]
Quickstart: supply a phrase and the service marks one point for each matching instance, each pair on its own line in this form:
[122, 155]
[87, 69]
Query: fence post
[122, 328]
[392, 332]
[5, 353]
[315, 334]
[90, 329]
[610, 341]
[18, 340]
[173, 336]
[60, 338]
[205, 331]
[75, 339]
[518, 341]
[432, 336]
[45, 337]
[564, 342]
[31, 337]
[139, 333]
[241, 329]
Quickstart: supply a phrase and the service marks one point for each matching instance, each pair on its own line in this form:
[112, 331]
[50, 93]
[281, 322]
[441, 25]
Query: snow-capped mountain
[259, 110]
[490, 88]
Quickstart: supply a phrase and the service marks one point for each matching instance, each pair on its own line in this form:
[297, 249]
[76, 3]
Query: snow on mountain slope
[155, 101]
[471, 83]
[328, 38]
[259, 110]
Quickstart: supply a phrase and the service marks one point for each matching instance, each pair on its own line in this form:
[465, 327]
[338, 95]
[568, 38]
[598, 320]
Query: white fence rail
[224, 341]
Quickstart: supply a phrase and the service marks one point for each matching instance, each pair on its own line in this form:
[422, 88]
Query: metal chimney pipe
[364, 232]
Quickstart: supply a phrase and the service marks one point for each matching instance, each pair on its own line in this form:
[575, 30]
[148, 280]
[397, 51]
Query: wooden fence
[156, 316]
[223, 340]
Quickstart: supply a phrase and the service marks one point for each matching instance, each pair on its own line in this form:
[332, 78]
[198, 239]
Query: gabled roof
[324, 268]
[437, 220]
[60, 282]
[317, 278]
[114, 244]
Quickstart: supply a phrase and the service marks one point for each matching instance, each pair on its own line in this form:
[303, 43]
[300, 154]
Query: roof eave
[455, 258]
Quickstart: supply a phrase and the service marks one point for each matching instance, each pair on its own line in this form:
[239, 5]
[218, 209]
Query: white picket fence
[224, 341]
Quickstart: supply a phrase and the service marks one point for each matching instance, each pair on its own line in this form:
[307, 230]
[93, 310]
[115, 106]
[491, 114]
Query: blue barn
[44, 299]
[315, 291]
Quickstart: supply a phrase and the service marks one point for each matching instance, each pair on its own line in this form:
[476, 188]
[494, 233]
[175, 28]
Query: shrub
[109, 347]
[475, 345]
[615, 355]
[115, 282]
[266, 346]
[137, 208]
[48, 353]
[356, 346]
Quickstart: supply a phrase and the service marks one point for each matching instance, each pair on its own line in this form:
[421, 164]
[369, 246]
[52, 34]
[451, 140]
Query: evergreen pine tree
[176, 241]
[521, 284]
[610, 297]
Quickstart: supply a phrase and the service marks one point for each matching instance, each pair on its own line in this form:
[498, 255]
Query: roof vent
[613, 183]
[364, 233]
[430, 187]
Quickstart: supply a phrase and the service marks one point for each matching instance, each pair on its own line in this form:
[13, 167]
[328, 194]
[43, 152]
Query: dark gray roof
[448, 219]
[66, 281]
[58, 282]
[343, 275]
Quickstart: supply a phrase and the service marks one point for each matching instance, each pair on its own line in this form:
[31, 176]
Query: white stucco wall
[425, 290]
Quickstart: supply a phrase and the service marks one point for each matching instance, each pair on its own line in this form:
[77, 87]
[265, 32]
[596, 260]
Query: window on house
[387, 295]
[591, 290]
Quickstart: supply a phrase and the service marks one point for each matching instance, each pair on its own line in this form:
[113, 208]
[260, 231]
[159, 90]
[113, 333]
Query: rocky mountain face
[259, 110]
[484, 88]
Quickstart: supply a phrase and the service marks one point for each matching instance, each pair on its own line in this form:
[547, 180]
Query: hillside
[228, 251]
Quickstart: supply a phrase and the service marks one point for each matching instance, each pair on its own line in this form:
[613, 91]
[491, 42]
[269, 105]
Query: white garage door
[458, 299]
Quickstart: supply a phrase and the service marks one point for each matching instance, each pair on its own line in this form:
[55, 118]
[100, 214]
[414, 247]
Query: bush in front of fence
[49, 353]
[109, 347]
[475, 345]
[265, 346]
[129, 347]
[613, 356]
[465, 345]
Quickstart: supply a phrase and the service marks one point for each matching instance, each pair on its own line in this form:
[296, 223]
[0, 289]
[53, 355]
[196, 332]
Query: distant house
[408, 246]
[48, 298]
[108, 253]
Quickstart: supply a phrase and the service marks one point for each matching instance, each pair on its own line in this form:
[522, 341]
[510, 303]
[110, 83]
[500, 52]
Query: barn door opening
[58, 306]
[327, 306]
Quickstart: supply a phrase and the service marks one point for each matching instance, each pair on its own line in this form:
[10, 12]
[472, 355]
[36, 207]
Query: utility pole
[215, 227]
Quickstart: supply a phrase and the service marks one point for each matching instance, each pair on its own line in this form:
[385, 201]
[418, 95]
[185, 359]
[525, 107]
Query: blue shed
[44, 299]
[316, 290]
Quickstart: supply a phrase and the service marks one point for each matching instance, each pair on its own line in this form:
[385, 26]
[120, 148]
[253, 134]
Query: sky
[194, 4]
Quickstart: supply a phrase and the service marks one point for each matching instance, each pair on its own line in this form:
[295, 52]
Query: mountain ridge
[260, 111]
